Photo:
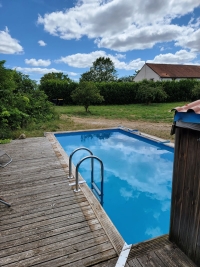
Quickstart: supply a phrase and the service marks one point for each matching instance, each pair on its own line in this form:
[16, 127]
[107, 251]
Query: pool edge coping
[126, 129]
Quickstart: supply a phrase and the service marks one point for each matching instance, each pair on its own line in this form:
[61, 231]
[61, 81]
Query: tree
[126, 79]
[86, 94]
[55, 76]
[23, 83]
[103, 70]
[136, 72]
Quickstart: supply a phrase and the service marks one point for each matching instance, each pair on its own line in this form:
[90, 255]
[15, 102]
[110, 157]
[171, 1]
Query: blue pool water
[137, 179]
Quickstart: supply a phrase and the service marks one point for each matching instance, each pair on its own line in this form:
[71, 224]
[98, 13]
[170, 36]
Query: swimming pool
[137, 179]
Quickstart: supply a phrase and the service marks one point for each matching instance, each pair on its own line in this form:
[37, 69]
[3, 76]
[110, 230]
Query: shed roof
[188, 116]
[192, 107]
[175, 71]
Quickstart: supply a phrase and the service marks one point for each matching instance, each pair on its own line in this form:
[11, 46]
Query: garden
[29, 108]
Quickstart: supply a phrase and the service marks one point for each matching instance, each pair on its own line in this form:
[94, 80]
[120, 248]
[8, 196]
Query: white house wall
[146, 73]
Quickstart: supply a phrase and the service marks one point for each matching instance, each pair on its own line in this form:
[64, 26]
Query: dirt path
[161, 130]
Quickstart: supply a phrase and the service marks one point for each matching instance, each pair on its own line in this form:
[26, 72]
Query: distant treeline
[128, 92]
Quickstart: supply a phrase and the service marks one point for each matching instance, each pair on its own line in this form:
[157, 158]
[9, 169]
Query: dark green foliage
[118, 93]
[55, 76]
[23, 83]
[20, 102]
[149, 94]
[126, 79]
[103, 70]
[86, 94]
[196, 92]
[59, 89]
[179, 90]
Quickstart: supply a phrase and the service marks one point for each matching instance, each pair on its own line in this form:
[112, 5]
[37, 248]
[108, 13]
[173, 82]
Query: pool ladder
[97, 192]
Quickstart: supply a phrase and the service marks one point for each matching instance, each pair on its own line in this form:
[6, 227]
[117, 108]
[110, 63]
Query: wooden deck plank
[77, 243]
[23, 210]
[78, 217]
[109, 263]
[47, 220]
[60, 233]
[158, 252]
[133, 263]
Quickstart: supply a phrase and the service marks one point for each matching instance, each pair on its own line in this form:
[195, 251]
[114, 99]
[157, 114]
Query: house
[167, 72]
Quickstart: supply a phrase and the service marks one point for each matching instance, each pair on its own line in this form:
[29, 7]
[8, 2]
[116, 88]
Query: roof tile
[175, 71]
[192, 107]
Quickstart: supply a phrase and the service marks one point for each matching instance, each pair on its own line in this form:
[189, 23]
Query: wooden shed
[185, 208]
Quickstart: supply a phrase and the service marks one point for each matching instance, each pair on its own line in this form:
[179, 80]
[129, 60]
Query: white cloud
[180, 57]
[37, 70]
[191, 41]
[81, 60]
[140, 38]
[85, 60]
[120, 55]
[9, 45]
[40, 62]
[0, 5]
[121, 25]
[42, 43]
[72, 73]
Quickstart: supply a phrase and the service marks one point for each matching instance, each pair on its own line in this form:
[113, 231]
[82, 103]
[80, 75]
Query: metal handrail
[92, 179]
[70, 161]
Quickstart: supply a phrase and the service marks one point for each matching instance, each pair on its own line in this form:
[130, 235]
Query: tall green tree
[86, 94]
[55, 76]
[103, 70]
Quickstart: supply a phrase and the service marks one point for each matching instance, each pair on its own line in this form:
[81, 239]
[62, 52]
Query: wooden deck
[158, 252]
[50, 225]
[47, 223]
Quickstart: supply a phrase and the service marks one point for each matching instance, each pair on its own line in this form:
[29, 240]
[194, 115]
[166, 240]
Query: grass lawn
[160, 112]
[138, 112]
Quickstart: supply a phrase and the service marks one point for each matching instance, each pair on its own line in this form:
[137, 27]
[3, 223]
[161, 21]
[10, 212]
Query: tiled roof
[192, 107]
[175, 71]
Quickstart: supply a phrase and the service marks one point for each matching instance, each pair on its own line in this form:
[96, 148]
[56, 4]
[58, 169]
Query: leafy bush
[196, 92]
[59, 89]
[148, 94]
[86, 94]
[179, 90]
[20, 102]
[118, 93]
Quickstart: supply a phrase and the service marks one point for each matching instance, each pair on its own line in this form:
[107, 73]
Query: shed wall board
[185, 207]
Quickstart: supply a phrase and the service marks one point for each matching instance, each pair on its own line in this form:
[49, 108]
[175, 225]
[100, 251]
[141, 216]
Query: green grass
[160, 112]
[138, 112]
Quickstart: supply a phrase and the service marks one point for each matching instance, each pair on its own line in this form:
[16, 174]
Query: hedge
[121, 93]
[58, 89]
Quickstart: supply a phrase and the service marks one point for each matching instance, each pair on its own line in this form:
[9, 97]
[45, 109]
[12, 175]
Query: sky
[41, 36]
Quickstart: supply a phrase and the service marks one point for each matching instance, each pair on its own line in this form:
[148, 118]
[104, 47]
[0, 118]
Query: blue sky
[41, 36]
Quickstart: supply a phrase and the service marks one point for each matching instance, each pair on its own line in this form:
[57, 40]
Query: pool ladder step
[97, 192]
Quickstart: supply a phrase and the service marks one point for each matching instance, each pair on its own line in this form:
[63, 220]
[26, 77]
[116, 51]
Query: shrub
[86, 94]
[196, 92]
[20, 102]
[148, 94]
[59, 89]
